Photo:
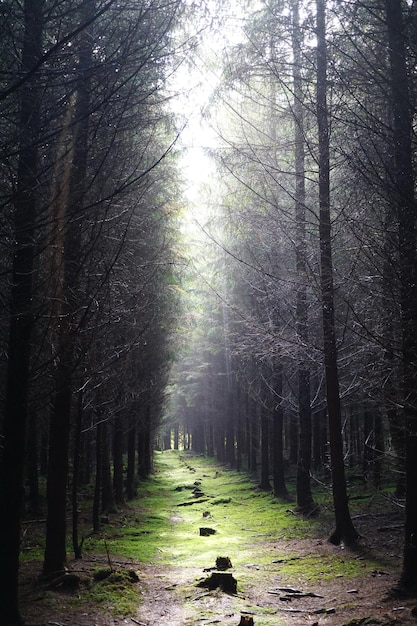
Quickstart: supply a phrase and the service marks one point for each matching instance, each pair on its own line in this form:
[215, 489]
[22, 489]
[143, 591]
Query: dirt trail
[170, 595]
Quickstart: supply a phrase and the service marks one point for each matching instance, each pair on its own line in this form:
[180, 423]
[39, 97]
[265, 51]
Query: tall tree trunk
[345, 531]
[21, 317]
[404, 199]
[33, 463]
[144, 441]
[118, 440]
[99, 478]
[55, 548]
[305, 502]
[254, 438]
[108, 504]
[76, 545]
[264, 481]
[131, 457]
[278, 469]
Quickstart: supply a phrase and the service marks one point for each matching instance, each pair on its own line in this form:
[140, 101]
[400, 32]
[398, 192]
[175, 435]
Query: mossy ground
[268, 543]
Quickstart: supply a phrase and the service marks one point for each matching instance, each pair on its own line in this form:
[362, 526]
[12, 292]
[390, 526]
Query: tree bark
[21, 318]
[345, 531]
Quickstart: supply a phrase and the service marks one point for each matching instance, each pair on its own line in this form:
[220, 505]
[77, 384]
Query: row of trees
[313, 305]
[88, 211]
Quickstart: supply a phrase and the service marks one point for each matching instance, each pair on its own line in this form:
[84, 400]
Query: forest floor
[286, 572]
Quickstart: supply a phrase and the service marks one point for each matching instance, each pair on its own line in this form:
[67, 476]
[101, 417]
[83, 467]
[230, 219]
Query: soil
[169, 595]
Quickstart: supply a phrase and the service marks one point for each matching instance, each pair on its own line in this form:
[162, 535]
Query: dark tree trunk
[239, 421]
[254, 439]
[86, 455]
[144, 443]
[98, 481]
[118, 441]
[379, 449]
[278, 466]
[43, 451]
[60, 425]
[345, 531]
[264, 481]
[368, 437]
[305, 501]
[230, 428]
[404, 199]
[21, 318]
[210, 439]
[292, 438]
[33, 464]
[131, 459]
[76, 545]
[108, 504]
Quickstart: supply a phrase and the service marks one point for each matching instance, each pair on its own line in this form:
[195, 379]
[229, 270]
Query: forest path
[286, 574]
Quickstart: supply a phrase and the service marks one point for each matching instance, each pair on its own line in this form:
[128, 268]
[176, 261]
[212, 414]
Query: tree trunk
[108, 504]
[278, 469]
[403, 195]
[131, 458]
[118, 460]
[76, 545]
[345, 531]
[305, 502]
[98, 481]
[254, 438]
[21, 318]
[264, 482]
[144, 442]
[55, 548]
[33, 464]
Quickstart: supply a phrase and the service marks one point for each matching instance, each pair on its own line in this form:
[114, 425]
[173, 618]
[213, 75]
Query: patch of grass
[117, 593]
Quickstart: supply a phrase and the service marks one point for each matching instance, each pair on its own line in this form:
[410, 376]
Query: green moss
[117, 593]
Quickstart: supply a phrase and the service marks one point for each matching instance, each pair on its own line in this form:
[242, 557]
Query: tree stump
[206, 532]
[220, 580]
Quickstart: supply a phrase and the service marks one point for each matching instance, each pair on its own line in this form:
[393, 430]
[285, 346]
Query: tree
[69, 223]
[305, 502]
[345, 531]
